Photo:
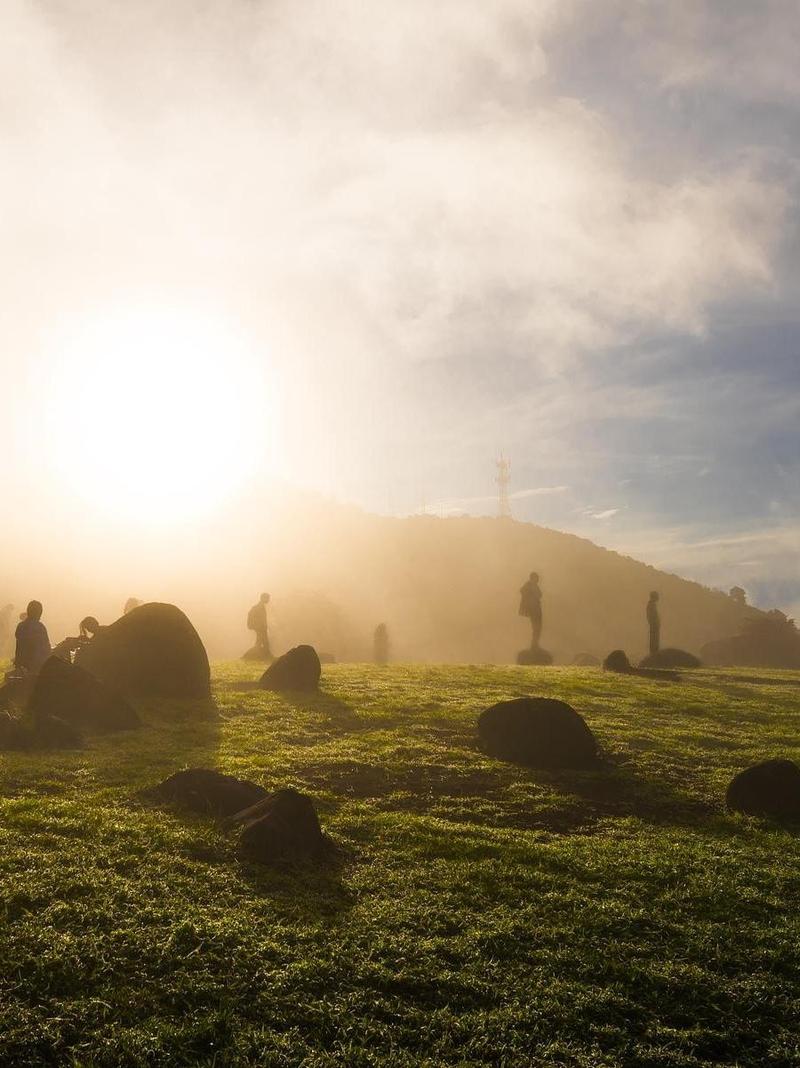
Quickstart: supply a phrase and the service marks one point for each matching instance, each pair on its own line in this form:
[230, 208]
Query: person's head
[89, 627]
[654, 595]
[264, 598]
[34, 610]
[534, 577]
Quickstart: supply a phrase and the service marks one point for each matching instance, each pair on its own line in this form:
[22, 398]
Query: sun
[157, 414]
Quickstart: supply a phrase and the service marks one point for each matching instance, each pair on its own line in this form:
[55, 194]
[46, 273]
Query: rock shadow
[301, 890]
[336, 712]
[616, 790]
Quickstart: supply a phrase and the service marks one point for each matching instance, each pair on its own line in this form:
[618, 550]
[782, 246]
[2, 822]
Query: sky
[390, 241]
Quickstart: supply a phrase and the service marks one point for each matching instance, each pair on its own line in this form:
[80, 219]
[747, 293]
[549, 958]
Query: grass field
[484, 915]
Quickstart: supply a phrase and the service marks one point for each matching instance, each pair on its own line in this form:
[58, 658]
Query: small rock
[618, 661]
[534, 656]
[207, 791]
[771, 789]
[299, 670]
[285, 828]
[539, 732]
[258, 653]
[670, 658]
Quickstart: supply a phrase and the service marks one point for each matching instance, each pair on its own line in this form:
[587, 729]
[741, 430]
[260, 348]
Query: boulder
[152, 651]
[207, 791]
[52, 732]
[585, 660]
[256, 652]
[299, 669]
[534, 656]
[70, 695]
[618, 661]
[284, 827]
[771, 789]
[13, 734]
[539, 732]
[670, 658]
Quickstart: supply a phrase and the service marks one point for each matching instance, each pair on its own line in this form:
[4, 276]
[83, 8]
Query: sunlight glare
[158, 415]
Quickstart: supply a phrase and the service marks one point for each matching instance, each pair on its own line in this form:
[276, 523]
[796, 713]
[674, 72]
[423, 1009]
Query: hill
[448, 589]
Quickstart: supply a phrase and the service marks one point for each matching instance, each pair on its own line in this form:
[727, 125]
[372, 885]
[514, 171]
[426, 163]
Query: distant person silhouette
[380, 644]
[130, 604]
[654, 623]
[6, 612]
[33, 643]
[257, 622]
[530, 605]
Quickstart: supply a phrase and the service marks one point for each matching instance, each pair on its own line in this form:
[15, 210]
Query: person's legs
[262, 640]
[655, 639]
[536, 631]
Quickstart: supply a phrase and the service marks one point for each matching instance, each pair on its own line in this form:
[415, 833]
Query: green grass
[485, 915]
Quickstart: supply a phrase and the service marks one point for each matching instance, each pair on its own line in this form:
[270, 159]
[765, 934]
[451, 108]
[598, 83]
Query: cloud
[442, 227]
[607, 513]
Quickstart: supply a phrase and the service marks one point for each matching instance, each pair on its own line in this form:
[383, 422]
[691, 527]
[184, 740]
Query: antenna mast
[502, 479]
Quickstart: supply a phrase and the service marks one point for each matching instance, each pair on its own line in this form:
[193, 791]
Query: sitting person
[32, 641]
[87, 629]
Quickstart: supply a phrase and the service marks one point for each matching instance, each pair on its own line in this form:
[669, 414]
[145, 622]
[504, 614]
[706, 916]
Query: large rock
[618, 661]
[72, 696]
[21, 733]
[534, 656]
[299, 669]
[539, 732]
[670, 658]
[284, 828]
[153, 651]
[207, 791]
[52, 732]
[771, 788]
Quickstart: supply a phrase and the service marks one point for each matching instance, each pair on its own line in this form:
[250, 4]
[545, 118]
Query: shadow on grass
[752, 680]
[301, 889]
[618, 791]
[337, 714]
[508, 795]
[174, 734]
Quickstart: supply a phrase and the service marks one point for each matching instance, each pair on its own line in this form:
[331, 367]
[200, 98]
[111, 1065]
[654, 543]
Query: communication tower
[503, 478]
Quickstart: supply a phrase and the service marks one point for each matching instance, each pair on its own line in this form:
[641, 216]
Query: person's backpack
[255, 620]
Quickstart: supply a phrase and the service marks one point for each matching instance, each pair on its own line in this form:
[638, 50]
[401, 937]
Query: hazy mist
[360, 248]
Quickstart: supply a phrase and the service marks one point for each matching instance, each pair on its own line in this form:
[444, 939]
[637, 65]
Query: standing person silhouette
[33, 642]
[654, 623]
[6, 629]
[530, 605]
[380, 644]
[257, 622]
